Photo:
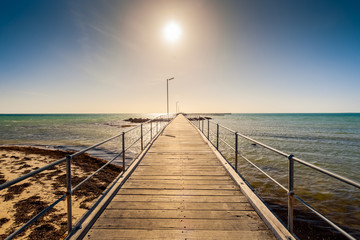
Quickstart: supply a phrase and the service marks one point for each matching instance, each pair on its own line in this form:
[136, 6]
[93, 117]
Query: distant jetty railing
[154, 127]
[204, 125]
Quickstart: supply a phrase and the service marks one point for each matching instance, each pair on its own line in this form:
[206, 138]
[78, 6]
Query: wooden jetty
[181, 188]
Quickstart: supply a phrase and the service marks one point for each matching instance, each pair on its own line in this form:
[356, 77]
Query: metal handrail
[221, 139]
[319, 169]
[94, 173]
[266, 174]
[226, 128]
[68, 159]
[327, 172]
[324, 218]
[291, 158]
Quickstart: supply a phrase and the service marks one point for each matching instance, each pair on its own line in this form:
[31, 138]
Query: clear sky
[232, 56]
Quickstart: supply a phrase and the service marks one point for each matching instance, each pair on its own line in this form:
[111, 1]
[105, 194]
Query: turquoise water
[331, 141]
[62, 129]
[327, 140]
[71, 131]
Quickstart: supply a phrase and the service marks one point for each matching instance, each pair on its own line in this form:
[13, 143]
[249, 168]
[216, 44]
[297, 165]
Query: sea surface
[75, 132]
[331, 141]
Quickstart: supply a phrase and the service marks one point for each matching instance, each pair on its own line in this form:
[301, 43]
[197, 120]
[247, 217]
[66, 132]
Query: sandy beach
[20, 202]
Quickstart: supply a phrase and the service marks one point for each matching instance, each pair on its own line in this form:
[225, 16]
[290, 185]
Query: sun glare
[172, 31]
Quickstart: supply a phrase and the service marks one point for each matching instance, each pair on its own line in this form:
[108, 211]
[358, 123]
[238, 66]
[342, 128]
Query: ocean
[331, 141]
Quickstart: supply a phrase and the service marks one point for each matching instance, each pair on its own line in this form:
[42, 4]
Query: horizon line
[55, 113]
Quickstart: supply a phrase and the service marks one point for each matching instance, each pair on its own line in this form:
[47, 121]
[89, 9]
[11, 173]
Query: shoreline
[99, 153]
[22, 201]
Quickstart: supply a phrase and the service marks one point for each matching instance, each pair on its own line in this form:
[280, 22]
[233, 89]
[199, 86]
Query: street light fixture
[167, 93]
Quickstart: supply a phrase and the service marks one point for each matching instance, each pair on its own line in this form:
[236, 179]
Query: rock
[137, 120]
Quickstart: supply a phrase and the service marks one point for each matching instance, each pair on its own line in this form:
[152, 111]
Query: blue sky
[233, 56]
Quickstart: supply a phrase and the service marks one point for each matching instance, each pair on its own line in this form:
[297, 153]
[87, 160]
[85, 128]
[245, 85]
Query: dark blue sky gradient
[254, 56]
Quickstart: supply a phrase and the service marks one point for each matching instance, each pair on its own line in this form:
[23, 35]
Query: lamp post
[167, 93]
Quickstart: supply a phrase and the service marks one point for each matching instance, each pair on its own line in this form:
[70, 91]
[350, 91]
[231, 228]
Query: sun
[172, 31]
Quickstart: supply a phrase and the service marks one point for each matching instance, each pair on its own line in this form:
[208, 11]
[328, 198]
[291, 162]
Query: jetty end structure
[178, 187]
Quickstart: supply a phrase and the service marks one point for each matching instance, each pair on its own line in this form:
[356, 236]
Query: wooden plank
[180, 168]
[156, 151]
[189, 224]
[180, 173]
[178, 186]
[179, 214]
[149, 160]
[179, 163]
[177, 198]
[213, 206]
[113, 234]
[176, 192]
[172, 177]
[179, 181]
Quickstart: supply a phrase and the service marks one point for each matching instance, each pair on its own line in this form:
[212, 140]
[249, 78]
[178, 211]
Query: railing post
[217, 136]
[202, 126]
[142, 138]
[199, 122]
[208, 132]
[236, 152]
[68, 193]
[123, 150]
[151, 130]
[291, 195]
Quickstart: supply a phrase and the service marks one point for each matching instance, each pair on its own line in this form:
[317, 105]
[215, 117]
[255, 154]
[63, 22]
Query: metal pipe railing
[324, 218]
[208, 128]
[236, 152]
[69, 158]
[263, 172]
[217, 136]
[94, 173]
[291, 195]
[291, 159]
[68, 192]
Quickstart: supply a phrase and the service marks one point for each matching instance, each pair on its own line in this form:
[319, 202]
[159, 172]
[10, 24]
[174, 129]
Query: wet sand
[22, 201]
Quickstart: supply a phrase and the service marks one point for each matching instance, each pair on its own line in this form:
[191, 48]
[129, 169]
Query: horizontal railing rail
[156, 126]
[199, 121]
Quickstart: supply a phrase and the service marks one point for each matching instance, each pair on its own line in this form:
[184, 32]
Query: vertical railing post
[291, 195]
[217, 136]
[199, 122]
[208, 132]
[202, 126]
[151, 130]
[236, 152]
[142, 138]
[123, 151]
[68, 193]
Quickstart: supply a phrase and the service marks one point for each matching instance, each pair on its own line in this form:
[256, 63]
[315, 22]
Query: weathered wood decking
[179, 190]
